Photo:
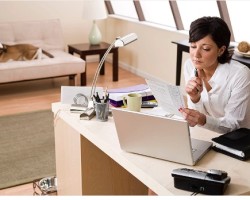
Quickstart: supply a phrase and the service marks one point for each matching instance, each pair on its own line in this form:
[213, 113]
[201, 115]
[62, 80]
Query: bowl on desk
[242, 54]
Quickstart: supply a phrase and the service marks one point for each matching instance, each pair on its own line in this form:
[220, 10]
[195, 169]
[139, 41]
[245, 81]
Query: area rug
[27, 148]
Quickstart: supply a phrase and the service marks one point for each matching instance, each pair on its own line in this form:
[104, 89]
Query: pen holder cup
[102, 111]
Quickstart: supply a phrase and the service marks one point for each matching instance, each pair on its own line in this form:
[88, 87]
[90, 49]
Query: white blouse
[227, 104]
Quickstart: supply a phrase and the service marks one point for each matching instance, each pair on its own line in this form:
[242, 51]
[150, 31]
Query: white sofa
[48, 35]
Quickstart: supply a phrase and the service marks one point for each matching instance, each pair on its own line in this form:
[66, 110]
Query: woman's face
[204, 53]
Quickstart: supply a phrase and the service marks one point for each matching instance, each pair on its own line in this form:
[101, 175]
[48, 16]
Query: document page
[168, 96]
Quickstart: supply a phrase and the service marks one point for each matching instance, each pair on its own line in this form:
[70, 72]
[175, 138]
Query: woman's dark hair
[217, 29]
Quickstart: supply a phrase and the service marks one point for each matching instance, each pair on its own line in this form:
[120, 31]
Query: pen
[98, 100]
[196, 75]
[105, 91]
[105, 95]
[196, 72]
[106, 98]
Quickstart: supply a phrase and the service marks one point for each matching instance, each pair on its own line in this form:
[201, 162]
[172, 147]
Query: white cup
[134, 102]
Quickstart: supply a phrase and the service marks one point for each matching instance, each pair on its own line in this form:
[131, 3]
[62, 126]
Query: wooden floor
[38, 95]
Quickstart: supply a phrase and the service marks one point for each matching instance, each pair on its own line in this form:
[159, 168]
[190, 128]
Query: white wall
[75, 28]
[152, 56]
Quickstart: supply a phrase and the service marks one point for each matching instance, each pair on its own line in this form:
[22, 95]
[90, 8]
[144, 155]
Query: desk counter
[89, 161]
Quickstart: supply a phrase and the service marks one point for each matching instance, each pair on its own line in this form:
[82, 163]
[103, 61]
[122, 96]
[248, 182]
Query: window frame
[222, 7]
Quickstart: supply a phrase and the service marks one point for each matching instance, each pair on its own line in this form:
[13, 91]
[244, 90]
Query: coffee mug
[134, 101]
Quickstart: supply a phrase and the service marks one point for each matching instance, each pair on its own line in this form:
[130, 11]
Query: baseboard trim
[127, 67]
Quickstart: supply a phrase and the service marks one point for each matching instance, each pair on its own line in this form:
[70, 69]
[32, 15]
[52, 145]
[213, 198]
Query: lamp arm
[93, 87]
[118, 42]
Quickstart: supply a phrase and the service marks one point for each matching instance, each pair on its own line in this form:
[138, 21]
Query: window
[191, 10]
[124, 8]
[239, 15]
[158, 11]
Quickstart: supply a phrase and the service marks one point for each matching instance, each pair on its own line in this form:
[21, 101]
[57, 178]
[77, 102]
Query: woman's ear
[221, 50]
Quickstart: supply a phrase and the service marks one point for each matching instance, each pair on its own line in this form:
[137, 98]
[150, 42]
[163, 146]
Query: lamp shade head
[94, 9]
[125, 40]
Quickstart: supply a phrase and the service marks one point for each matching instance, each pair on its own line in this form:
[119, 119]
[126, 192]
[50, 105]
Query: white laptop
[158, 136]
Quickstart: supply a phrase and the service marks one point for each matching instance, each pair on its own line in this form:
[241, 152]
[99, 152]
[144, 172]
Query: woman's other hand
[193, 117]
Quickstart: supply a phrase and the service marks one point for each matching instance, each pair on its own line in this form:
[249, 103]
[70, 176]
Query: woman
[218, 88]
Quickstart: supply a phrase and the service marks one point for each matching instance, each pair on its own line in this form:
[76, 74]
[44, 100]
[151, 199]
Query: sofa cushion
[62, 64]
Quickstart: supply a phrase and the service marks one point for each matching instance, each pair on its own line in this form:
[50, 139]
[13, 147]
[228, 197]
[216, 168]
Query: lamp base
[95, 36]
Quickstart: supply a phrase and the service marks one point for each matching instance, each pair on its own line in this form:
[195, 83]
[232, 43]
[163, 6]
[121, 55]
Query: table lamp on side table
[94, 10]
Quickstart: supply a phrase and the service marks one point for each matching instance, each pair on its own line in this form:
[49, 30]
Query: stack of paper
[116, 95]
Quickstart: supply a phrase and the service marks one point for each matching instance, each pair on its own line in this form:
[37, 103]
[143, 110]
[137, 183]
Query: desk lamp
[118, 42]
[94, 10]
